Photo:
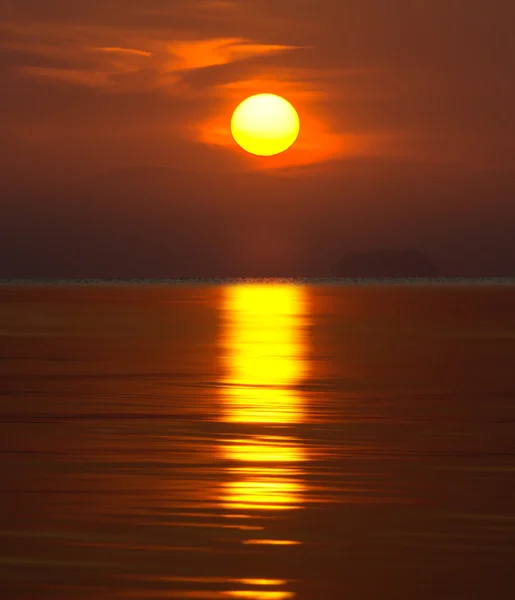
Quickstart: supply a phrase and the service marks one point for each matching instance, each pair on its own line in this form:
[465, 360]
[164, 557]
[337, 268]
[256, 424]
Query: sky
[117, 157]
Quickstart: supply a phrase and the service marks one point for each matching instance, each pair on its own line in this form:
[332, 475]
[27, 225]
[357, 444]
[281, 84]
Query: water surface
[257, 441]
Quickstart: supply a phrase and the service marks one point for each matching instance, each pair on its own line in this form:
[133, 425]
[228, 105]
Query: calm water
[257, 442]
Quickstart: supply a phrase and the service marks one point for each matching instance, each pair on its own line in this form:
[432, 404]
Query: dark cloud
[171, 222]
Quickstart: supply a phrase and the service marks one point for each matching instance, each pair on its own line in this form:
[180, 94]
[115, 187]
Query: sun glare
[265, 125]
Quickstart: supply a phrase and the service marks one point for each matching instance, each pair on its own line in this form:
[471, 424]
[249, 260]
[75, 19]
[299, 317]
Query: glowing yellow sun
[265, 124]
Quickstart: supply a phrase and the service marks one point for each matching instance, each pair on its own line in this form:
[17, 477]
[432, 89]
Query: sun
[265, 124]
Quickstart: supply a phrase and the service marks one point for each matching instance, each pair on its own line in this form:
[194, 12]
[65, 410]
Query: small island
[385, 263]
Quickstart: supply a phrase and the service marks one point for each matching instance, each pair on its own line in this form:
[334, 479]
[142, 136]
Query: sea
[257, 440]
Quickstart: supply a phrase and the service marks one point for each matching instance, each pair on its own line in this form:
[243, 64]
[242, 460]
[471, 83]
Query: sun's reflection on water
[264, 355]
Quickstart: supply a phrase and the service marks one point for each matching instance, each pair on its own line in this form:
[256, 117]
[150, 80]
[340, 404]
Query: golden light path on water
[264, 356]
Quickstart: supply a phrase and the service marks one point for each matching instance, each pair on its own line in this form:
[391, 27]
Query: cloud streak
[114, 60]
[198, 54]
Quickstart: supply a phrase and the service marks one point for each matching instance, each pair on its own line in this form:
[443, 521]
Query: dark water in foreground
[257, 442]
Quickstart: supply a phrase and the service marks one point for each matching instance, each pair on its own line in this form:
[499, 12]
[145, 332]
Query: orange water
[257, 442]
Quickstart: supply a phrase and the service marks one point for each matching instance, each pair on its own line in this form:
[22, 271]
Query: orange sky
[385, 90]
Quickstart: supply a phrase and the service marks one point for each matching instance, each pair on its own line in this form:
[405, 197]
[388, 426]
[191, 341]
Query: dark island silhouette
[385, 263]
